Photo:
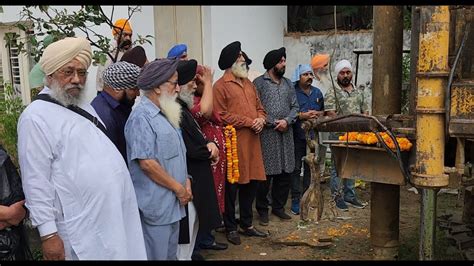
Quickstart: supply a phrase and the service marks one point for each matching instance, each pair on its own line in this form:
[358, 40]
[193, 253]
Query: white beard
[187, 96]
[61, 95]
[240, 70]
[325, 80]
[170, 108]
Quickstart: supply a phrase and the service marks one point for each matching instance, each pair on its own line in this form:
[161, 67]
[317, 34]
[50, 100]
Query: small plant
[11, 107]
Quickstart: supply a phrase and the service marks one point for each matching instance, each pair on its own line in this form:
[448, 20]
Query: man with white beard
[201, 154]
[156, 156]
[76, 183]
[237, 102]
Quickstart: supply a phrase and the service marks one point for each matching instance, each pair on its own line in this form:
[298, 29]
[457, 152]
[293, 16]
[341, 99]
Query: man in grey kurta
[278, 97]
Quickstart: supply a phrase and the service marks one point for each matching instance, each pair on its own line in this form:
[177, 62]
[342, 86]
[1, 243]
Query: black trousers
[296, 190]
[247, 194]
[280, 190]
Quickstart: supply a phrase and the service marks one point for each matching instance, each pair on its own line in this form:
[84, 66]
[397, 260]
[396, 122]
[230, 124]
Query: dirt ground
[350, 238]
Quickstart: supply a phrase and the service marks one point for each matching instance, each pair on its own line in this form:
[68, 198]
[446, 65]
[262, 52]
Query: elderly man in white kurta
[76, 183]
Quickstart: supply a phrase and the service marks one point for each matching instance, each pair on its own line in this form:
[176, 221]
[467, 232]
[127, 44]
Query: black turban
[229, 55]
[248, 61]
[186, 71]
[136, 56]
[156, 73]
[273, 57]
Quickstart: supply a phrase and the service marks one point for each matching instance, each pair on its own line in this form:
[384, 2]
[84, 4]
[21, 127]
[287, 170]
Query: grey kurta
[279, 101]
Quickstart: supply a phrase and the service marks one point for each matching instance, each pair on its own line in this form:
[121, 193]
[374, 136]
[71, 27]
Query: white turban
[59, 53]
[342, 64]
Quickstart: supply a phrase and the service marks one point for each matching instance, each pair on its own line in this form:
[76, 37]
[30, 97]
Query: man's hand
[257, 125]
[281, 125]
[53, 248]
[4, 225]
[184, 196]
[206, 77]
[212, 148]
[17, 213]
[188, 187]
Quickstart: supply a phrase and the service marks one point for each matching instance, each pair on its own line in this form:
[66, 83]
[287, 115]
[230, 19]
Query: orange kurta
[239, 106]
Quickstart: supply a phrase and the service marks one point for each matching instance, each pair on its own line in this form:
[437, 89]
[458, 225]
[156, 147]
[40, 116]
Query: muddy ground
[350, 238]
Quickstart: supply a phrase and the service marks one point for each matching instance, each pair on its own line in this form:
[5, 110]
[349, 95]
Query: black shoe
[233, 237]
[263, 219]
[281, 214]
[216, 246]
[253, 232]
[197, 256]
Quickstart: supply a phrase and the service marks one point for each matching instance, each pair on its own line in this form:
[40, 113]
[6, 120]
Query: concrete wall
[142, 24]
[259, 29]
[300, 49]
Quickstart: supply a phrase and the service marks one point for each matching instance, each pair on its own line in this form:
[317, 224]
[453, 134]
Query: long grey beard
[325, 80]
[187, 97]
[171, 109]
[240, 70]
[62, 96]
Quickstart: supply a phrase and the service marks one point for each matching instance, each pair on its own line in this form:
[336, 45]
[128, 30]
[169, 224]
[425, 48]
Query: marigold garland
[370, 138]
[231, 154]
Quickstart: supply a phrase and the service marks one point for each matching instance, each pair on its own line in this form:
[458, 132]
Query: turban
[177, 51]
[248, 61]
[300, 70]
[273, 57]
[121, 75]
[63, 51]
[136, 56]
[229, 55]
[342, 64]
[200, 70]
[186, 71]
[121, 24]
[156, 73]
[319, 61]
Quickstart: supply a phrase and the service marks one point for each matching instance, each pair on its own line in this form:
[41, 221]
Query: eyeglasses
[69, 72]
[174, 83]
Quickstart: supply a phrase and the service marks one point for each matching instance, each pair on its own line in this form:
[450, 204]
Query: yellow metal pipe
[432, 72]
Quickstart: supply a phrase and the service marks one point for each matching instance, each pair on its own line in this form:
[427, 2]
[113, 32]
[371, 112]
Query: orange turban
[121, 24]
[319, 60]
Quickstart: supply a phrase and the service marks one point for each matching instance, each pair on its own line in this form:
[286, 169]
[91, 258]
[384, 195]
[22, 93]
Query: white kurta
[76, 182]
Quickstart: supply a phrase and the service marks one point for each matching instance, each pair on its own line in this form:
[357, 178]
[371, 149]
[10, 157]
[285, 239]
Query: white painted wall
[259, 29]
[300, 50]
[142, 24]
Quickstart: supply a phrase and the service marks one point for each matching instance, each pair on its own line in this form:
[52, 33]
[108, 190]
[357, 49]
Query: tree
[61, 23]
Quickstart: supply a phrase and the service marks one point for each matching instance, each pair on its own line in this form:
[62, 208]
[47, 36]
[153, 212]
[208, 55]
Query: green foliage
[61, 23]
[37, 254]
[11, 107]
[407, 17]
[405, 83]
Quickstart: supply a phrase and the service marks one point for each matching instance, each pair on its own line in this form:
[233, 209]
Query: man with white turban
[344, 99]
[77, 186]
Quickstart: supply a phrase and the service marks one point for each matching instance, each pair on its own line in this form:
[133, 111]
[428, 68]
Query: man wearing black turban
[278, 97]
[236, 101]
[157, 159]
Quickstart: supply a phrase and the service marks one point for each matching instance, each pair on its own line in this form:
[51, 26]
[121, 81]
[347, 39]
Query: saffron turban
[121, 75]
[273, 57]
[300, 70]
[186, 71]
[59, 53]
[229, 55]
[178, 50]
[342, 64]
[121, 24]
[156, 73]
[319, 61]
[136, 56]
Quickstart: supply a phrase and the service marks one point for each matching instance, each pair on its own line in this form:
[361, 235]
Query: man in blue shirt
[156, 156]
[311, 102]
[113, 104]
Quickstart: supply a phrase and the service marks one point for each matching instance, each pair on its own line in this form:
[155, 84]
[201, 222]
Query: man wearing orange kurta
[237, 103]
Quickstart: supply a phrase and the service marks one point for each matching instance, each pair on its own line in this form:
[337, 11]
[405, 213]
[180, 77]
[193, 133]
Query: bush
[11, 107]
